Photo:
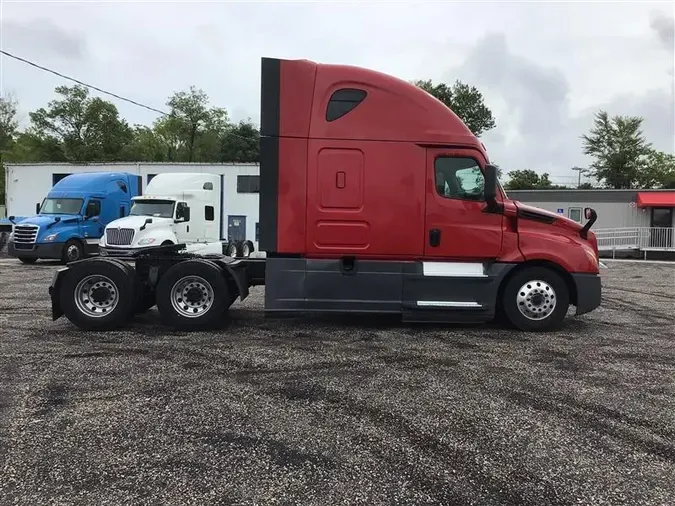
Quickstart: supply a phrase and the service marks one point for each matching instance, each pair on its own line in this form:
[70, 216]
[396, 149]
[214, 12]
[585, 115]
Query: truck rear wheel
[535, 299]
[247, 248]
[193, 294]
[98, 294]
[231, 249]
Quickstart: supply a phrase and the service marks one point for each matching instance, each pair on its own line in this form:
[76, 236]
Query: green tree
[30, 147]
[88, 129]
[193, 125]
[8, 121]
[466, 102]
[146, 146]
[619, 150]
[168, 130]
[8, 130]
[528, 179]
[659, 170]
[240, 143]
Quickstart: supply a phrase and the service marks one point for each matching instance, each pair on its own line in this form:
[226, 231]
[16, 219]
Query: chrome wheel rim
[536, 300]
[73, 252]
[232, 250]
[96, 296]
[192, 296]
[245, 250]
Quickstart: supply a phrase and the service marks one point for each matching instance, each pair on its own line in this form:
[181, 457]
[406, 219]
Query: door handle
[434, 237]
[340, 178]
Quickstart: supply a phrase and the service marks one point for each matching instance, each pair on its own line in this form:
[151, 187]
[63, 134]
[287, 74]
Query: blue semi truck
[71, 219]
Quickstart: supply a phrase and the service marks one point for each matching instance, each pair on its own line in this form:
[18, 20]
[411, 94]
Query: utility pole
[579, 170]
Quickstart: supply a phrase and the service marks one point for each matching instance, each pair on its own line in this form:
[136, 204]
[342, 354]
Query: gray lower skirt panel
[294, 285]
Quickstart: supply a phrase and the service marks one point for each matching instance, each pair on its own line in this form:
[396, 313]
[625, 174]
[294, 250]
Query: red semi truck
[374, 198]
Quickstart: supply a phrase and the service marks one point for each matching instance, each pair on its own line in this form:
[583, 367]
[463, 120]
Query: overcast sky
[544, 68]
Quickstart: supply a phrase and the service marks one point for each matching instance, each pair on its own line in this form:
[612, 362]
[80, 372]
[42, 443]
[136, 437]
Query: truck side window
[459, 178]
[182, 211]
[343, 101]
[93, 208]
[208, 213]
[122, 186]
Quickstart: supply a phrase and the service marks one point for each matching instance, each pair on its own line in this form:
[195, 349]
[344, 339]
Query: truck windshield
[61, 206]
[156, 208]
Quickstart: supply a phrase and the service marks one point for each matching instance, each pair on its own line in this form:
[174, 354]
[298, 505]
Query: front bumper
[39, 250]
[117, 252]
[589, 292]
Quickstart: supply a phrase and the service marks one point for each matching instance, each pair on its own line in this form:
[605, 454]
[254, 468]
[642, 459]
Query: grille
[119, 236]
[25, 234]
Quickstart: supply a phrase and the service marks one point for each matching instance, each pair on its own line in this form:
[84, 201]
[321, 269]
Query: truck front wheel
[72, 251]
[535, 299]
[193, 294]
[98, 294]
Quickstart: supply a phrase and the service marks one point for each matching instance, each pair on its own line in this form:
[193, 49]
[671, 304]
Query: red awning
[656, 199]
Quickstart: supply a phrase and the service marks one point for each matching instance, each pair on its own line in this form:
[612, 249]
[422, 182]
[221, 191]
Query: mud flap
[54, 287]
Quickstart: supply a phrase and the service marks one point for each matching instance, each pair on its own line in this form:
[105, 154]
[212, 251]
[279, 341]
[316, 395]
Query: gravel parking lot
[327, 412]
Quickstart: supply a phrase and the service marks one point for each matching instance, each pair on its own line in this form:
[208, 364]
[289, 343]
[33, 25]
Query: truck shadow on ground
[362, 326]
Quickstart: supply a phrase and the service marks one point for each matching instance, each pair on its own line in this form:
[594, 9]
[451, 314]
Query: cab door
[456, 224]
[91, 227]
[182, 228]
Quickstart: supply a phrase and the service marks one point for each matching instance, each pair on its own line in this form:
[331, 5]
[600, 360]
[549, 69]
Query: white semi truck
[176, 208]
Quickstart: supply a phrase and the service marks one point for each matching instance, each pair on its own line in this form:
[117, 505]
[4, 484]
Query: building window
[58, 177]
[343, 101]
[459, 178]
[575, 214]
[150, 176]
[208, 213]
[248, 184]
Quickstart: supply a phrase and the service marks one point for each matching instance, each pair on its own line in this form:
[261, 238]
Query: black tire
[122, 279]
[167, 243]
[212, 280]
[239, 245]
[231, 249]
[534, 281]
[28, 260]
[250, 246]
[73, 250]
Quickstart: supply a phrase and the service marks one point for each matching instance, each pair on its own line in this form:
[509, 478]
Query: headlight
[146, 241]
[50, 237]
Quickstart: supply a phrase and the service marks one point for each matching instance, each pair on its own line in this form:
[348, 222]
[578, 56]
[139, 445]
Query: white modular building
[28, 183]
